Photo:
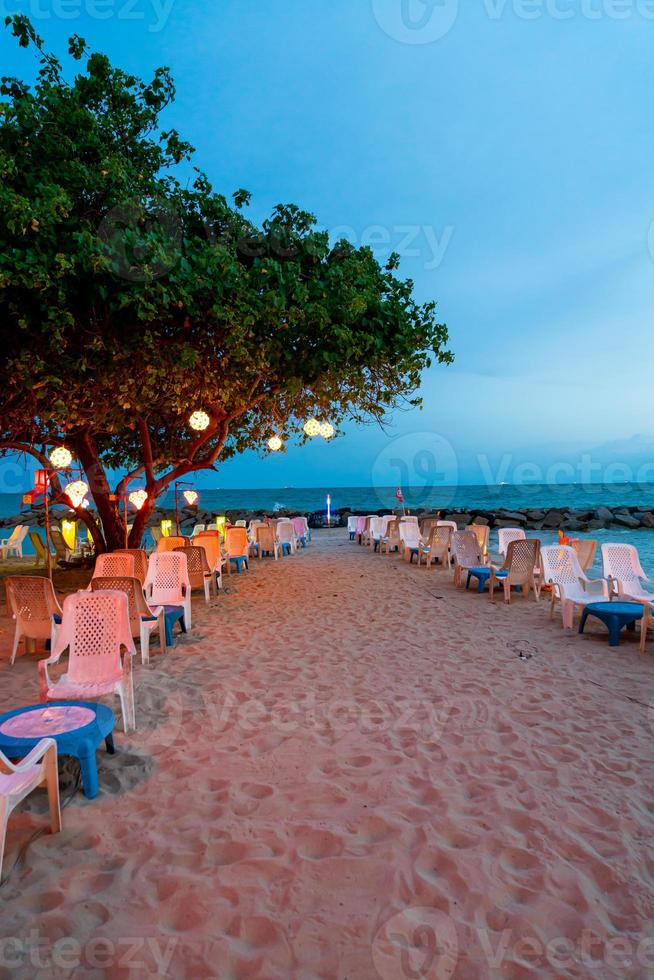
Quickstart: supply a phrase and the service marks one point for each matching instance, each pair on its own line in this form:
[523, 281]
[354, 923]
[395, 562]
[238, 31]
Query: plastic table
[482, 574]
[172, 615]
[614, 615]
[78, 727]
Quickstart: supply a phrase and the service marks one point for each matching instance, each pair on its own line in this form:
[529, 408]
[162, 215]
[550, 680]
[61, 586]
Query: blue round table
[614, 615]
[482, 574]
[78, 727]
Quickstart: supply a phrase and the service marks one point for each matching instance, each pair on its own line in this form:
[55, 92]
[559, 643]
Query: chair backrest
[560, 565]
[140, 557]
[114, 563]
[393, 529]
[352, 524]
[409, 533]
[285, 532]
[440, 537]
[301, 526]
[58, 543]
[481, 531]
[376, 525]
[17, 536]
[409, 519]
[240, 523]
[522, 557]
[94, 626]
[197, 528]
[586, 549]
[133, 589]
[38, 545]
[265, 537]
[506, 535]
[167, 577]
[31, 599]
[210, 544]
[197, 564]
[453, 526]
[426, 524]
[172, 542]
[213, 527]
[621, 562]
[361, 524]
[465, 549]
[236, 541]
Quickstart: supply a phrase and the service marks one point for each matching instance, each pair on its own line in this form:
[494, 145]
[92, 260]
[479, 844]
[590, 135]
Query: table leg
[86, 756]
[582, 621]
[613, 623]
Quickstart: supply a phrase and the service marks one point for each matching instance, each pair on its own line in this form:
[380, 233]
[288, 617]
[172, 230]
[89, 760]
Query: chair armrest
[33, 757]
[593, 586]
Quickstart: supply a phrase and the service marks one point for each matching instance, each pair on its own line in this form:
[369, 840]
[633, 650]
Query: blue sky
[508, 157]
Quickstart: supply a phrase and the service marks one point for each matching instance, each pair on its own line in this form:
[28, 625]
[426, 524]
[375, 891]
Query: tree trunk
[113, 528]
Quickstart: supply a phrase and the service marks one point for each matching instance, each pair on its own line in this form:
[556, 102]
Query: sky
[503, 147]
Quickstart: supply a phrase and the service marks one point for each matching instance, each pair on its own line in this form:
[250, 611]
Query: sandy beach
[350, 769]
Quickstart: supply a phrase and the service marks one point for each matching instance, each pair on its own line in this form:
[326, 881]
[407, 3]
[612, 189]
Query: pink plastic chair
[167, 582]
[17, 780]
[301, 528]
[95, 626]
[286, 535]
[114, 563]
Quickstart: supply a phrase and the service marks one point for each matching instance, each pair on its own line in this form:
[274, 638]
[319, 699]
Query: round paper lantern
[199, 421]
[191, 497]
[138, 498]
[274, 444]
[61, 457]
[76, 491]
[326, 430]
[312, 427]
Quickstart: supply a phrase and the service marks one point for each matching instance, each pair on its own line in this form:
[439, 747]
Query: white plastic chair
[352, 527]
[376, 532]
[302, 532]
[212, 527]
[143, 620]
[506, 535]
[95, 626]
[466, 554]
[114, 563]
[410, 539]
[33, 604]
[167, 582]
[265, 540]
[197, 529]
[453, 526]
[17, 780]
[569, 583]
[13, 545]
[286, 535]
[621, 566]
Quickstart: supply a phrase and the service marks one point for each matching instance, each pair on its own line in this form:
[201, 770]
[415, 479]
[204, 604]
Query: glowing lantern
[137, 498]
[312, 427]
[326, 430]
[76, 491]
[166, 527]
[191, 497]
[274, 444]
[199, 421]
[69, 533]
[220, 522]
[61, 457]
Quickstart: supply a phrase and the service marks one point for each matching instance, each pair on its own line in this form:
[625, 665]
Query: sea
[463, 498]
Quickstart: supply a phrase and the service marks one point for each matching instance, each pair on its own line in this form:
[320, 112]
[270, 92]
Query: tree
[130, 297]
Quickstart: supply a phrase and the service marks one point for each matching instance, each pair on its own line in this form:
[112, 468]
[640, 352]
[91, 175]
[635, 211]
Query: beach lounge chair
[95, 628]
[410, 539]
[211, 545]
[114, 563]
[466, 553]
[522, 558]
[506, 535]
[39, 548]
[453, 526]
[167, 582]
[437, 547]
[266, 542]
[586, 549]
[12, 547]
[62, 552]
[143, 620]
[569, 583]
[376, 532]
[172, 542]
[199, 573]
[140, 557]
[622, 569]
[426, 524]
[213, 527]
[482, 532]
[286, 536]
[33, 605]
[302, 531]
[352, 527]
[237, 548]
[18, 779]
[197, 528]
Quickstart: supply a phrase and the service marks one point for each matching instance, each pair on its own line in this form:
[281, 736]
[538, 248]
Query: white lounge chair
[167, 582]
[17, 780]
[569, 583]
[33, 604]
[622, 568]
[13, 545]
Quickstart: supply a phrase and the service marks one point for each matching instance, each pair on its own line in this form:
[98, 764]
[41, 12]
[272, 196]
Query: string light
[191, 497]
[326, 430]
[138, 498]
[199, 421]
[61, 457]
[312, 427]
[76, 491]
[274, 444]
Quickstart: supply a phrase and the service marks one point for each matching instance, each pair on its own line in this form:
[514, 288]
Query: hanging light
[69, 533]
[61, 457]
[275, 444]
[199, 421]
[191, 497]
[166, 527]
[326, 430]
[137, 498]
[312, 427]
[76, 491]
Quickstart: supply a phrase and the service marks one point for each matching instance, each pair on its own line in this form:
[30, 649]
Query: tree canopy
[131, 296]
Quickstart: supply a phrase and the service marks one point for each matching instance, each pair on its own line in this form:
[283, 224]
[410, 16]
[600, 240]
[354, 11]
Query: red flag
[399, 495]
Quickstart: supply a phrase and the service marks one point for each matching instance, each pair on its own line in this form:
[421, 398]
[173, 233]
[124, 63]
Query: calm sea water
[463, 498]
